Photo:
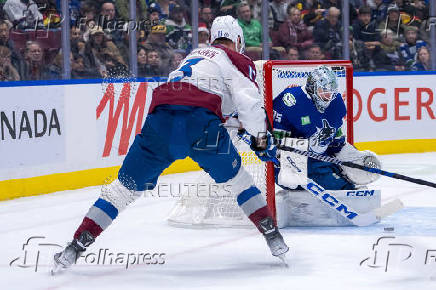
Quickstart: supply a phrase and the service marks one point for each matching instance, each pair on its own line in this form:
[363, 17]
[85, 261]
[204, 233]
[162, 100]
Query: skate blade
[284, 260]
[56, 269]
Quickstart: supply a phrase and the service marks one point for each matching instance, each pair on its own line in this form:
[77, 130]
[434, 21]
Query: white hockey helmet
[322, 86]
[228, 27]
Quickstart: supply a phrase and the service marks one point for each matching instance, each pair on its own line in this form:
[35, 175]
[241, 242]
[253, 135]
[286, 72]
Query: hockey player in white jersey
[185, 119]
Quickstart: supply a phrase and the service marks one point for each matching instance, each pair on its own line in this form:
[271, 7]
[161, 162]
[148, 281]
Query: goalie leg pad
[293, 166]
[328, 175]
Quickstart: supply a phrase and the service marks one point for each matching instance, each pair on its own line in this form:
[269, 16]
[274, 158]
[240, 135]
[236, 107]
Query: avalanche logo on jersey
[319, 141]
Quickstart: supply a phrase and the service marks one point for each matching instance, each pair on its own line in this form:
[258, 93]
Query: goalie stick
[358, 166]
[328, 198]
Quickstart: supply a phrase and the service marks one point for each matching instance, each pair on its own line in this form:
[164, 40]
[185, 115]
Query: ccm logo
[330, 200]
[360, 193]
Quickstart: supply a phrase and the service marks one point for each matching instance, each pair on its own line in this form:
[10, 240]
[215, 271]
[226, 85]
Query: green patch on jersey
[339, 133]
[305, 120]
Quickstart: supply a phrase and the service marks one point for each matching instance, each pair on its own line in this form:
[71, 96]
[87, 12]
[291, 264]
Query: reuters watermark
[189, 189]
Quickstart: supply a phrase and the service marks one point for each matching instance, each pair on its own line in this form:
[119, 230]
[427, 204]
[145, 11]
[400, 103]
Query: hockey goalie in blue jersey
[316, 112]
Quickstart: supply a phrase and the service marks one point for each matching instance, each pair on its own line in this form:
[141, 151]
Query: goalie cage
[220, 209]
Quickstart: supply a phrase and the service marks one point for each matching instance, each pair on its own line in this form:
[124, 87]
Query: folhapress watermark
[37, 252]
[390, 252]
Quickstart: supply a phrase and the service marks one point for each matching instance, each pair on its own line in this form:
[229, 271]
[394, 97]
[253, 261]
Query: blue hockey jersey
[295, 111]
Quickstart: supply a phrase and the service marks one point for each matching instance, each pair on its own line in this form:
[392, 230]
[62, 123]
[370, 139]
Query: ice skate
[71, 253]
[274, 239]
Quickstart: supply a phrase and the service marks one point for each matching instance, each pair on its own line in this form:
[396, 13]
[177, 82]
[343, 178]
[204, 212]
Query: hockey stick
[358, 166]
[330, 200]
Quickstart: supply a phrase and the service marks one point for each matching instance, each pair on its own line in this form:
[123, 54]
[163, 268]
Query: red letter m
[123, 105]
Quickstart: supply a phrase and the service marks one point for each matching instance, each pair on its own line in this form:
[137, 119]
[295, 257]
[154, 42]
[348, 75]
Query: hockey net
[219, 207]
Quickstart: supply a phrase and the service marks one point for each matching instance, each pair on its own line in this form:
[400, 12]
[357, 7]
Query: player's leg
[215, 153]
[148, 156]
[327, 175]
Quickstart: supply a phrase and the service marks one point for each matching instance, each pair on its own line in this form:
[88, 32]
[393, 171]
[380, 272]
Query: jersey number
[186, 68]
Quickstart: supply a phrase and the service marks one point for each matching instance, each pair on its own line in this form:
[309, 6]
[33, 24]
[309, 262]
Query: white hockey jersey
[220, 80]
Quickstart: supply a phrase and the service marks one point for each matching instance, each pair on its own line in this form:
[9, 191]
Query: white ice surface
[320, 258]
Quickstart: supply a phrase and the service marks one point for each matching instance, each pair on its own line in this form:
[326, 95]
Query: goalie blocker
[298, 207]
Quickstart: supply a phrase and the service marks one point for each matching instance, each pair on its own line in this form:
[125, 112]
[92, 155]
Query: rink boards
[63, 135]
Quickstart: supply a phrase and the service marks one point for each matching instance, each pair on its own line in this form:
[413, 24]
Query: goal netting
[219, 208]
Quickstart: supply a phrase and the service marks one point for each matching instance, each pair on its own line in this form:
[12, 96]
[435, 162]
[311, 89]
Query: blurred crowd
[384, 34]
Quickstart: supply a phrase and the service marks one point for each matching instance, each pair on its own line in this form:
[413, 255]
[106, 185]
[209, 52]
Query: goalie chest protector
[295, 111]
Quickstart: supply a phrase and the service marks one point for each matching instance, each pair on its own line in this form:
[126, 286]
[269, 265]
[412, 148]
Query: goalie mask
[322, 87]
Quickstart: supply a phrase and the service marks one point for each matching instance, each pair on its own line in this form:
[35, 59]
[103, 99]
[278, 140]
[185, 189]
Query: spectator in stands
[423, 60]
[122, 8]
[280, 12]
[51, 18]
[357, 54]
[142, 61]
[380, 11]
[365, 29]
[251, 28]
[293, 53]
[94, 49]
[110, 23]
[33, 67]
[293, 32]
[23, 13]
[206, 16]
[154, 65]
[75, 34]
[229, 7]
[328, 34]
[80, 71]
[256, 10]
[87, 10]
[327, 4]
[391, 47]
[7, 71]
[164, 7]
[419, 12]
[156, 41]
[113, 65]
[108, 11]
[176, 59]
[393, 22]
[7, 42]
[314, 52]
[312, 11]
[154, 14]
[179, 33]
[411, 45]
[377, 58]
[203, 36]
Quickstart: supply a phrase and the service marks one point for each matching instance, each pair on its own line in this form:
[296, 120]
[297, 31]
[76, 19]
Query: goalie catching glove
[366, 158]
